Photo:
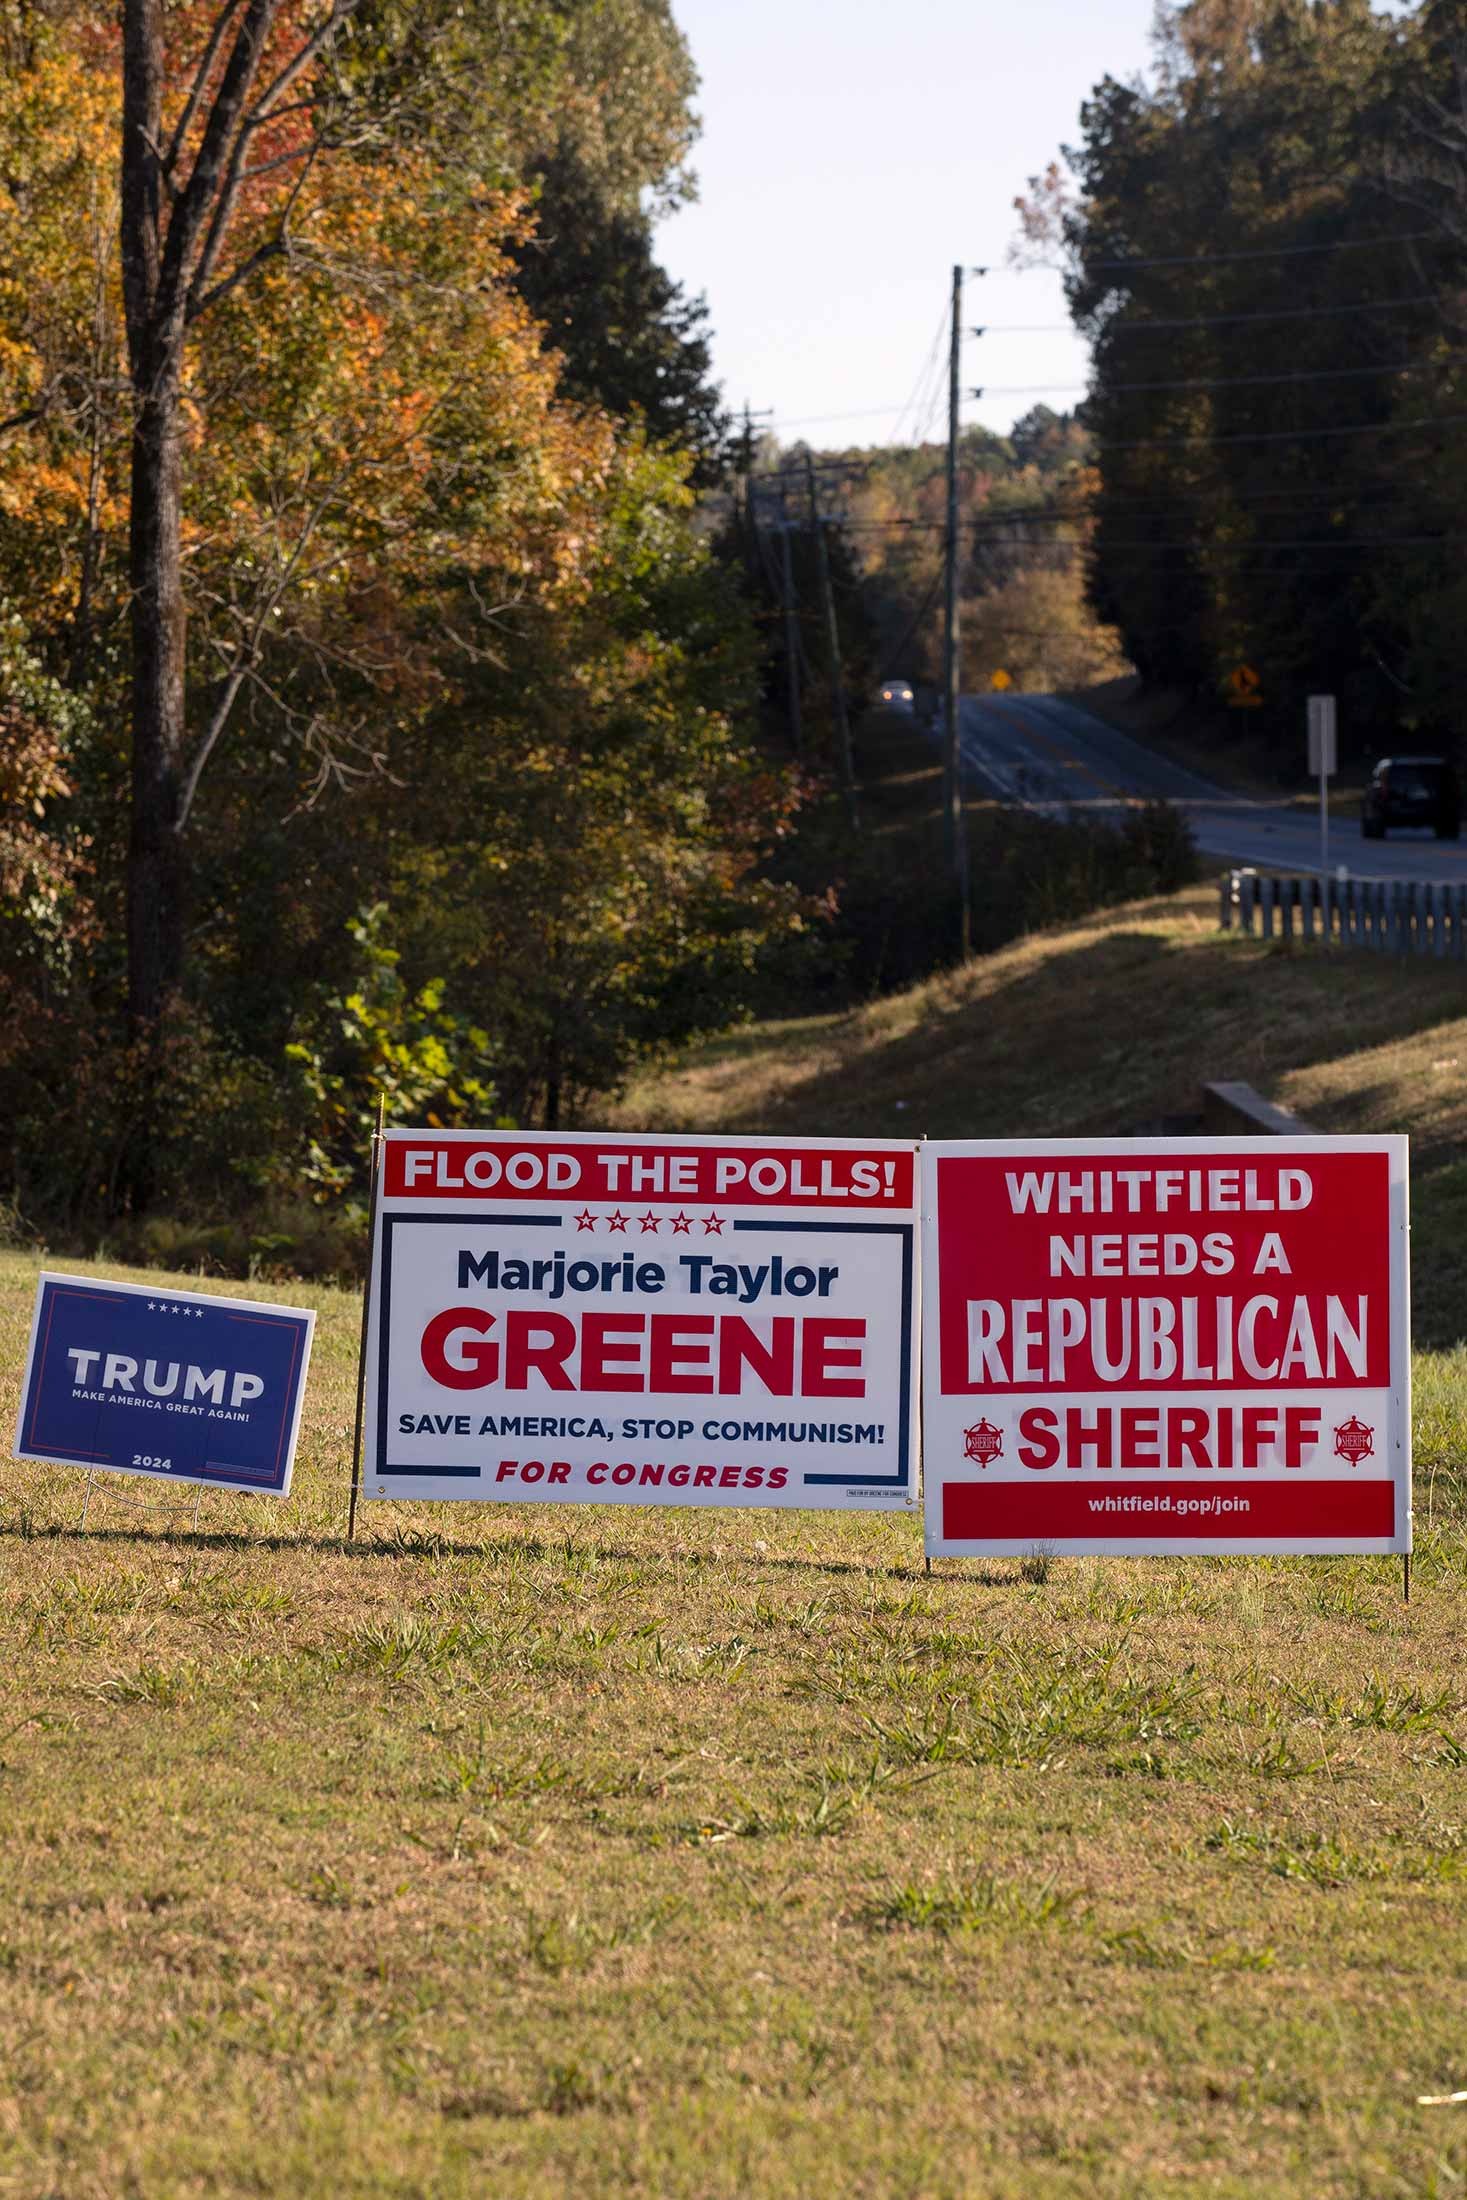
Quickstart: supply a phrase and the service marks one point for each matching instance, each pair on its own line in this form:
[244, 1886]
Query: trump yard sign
[174, 1384]
[1166, 1346]
[643, 1320]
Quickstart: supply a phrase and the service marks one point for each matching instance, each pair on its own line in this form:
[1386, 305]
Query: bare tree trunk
[552, 1082]
[155, 338]
[155, 904]
[179, 200]
[79, 655]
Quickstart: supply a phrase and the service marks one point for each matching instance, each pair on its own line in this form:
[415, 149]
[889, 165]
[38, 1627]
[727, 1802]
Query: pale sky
[852, 151]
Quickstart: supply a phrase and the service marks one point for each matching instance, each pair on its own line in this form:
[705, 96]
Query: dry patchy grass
[1097, 1027]
[531, 1853]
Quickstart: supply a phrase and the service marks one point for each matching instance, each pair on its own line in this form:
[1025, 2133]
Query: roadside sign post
[1323, 763]
[378, 1133]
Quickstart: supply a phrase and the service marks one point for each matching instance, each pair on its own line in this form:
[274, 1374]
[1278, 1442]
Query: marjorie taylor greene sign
[1167, 1346]
[591, 1319]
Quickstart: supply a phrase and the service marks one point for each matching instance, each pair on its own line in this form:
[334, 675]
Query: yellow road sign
[1245, 689]
[1000, 681]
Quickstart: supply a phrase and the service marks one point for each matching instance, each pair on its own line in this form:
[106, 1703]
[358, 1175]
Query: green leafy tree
[631, 339]
[1228, 247]
[386, 1040]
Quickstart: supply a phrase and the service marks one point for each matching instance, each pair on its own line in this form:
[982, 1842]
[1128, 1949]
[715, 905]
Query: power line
[1257, 252]
[1279, 435]
[1056, 515]
[926, 389]
[1287, 313]
[1223, 549]
[811, 420]
[1128, 327]
[1196, 382]
[918, 615]
[873, 412]
[866, 412]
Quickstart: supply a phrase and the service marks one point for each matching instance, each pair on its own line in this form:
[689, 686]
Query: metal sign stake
[356, 1442]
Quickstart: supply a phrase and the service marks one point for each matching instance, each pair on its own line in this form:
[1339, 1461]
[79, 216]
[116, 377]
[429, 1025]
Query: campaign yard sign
[175, 1384]
[1167, 1346]
[643, 1320]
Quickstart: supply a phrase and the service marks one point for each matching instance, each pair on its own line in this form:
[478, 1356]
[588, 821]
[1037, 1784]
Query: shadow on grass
[417, 1543]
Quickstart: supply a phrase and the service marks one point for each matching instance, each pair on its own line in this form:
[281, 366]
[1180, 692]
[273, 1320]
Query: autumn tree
[1023, 499]
[237, 122]
[426, 615]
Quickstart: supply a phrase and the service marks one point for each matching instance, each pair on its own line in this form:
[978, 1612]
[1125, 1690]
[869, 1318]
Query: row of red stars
[681, 1224]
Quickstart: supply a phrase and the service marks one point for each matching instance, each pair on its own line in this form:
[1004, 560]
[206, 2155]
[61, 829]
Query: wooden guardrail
[1392, 915]
[1229, 1106]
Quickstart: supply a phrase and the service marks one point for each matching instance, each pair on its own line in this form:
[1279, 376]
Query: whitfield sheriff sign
[1167, 1348]
[643, 1320]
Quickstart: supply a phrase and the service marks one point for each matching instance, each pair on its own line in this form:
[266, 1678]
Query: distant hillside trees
[1023, 516]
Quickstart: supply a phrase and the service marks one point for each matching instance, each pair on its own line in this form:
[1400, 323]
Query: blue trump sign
[135, 1380]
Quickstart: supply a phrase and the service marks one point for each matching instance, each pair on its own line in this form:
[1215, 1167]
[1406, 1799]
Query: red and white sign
[1166, 1345]
[591, 1319]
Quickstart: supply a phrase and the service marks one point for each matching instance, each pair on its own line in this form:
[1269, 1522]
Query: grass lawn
[514, 1854]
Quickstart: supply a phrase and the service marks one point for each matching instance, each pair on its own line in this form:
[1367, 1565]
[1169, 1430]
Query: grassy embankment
[534, 1853]
[531, 1853]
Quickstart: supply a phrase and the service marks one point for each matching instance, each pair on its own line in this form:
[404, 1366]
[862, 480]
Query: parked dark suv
[1412, 790]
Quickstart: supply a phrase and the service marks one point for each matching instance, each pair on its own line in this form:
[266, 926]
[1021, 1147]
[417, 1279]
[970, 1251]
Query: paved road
[1056, 758]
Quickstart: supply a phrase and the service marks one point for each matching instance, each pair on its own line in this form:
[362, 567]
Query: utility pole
[744, 495]
[844, 757]
[954, 821]
[791, 635]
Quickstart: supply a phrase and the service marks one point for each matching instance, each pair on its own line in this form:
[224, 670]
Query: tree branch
[202, 75]
[315, 44]
[272, 249]
[258, 114]
[248, 653]
[218, 159]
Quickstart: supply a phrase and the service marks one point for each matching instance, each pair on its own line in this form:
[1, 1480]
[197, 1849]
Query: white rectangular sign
[1168, 1345]
[1323, 742]
[601, 1319]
